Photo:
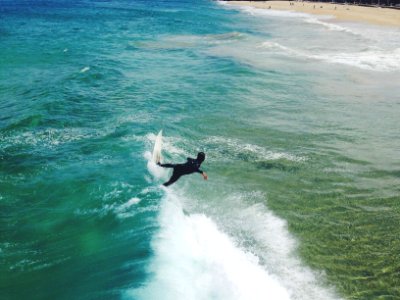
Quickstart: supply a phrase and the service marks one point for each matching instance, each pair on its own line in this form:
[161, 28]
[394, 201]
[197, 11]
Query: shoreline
[342, 12]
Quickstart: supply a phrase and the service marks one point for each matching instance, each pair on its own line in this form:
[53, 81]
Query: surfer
[191, 166]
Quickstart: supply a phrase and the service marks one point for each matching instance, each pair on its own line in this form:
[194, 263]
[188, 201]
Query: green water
[298, 119]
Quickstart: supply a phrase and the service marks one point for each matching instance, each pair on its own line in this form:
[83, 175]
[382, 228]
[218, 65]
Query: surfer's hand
[205, 175]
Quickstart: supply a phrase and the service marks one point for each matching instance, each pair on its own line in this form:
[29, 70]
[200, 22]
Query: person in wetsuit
[191, 166]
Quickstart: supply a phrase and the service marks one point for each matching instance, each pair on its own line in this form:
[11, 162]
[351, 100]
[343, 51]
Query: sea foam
[372, 59]
[382, 54]
[195, 260]
[199, 257]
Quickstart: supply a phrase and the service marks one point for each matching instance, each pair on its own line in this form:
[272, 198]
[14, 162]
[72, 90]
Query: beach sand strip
[354, 13]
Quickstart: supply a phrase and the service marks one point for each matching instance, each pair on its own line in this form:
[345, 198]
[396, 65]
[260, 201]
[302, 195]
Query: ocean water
[298, 116]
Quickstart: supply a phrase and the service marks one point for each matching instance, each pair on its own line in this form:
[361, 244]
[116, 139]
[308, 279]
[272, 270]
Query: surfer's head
[201, 157]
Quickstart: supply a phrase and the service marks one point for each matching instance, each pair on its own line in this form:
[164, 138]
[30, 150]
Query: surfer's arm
[204, 174]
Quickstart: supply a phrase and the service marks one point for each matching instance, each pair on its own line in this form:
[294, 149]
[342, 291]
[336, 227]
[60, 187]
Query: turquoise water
[298, 117]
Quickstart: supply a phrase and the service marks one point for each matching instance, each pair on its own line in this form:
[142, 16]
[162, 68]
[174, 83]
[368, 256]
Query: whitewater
[197, 258]
[298, 117]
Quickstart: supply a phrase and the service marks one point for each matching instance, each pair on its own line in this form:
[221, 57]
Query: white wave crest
[372, 58]
[329, 26]
[195, 260]
[235, 146]
[277, 249]
[128, 204]
[207, 256]
[84, 70]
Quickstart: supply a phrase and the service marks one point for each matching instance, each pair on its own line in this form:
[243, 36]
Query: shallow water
[298, 117]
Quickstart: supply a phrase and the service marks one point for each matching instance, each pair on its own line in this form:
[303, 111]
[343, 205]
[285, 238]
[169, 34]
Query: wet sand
[373, 15]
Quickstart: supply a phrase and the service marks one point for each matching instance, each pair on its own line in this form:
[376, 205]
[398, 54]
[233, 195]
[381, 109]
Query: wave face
[298, 117]
[195, 258]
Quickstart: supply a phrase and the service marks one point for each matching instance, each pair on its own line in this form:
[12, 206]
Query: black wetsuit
[191, 166]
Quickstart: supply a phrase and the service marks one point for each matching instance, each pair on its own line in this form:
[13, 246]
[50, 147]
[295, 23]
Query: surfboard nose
[156, 157]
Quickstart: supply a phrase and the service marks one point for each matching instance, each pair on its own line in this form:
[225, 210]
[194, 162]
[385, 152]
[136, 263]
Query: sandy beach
[373, 15]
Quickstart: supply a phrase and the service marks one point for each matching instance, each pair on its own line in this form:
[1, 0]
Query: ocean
[298, 116]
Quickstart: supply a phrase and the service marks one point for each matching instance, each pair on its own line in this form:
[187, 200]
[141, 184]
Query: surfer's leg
[175, 176]
[167, 165]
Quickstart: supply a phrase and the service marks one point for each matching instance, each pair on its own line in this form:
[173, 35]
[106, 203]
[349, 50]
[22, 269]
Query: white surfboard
[157, 148]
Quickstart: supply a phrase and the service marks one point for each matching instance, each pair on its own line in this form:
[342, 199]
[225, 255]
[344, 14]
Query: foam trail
[236, 146]
[368, 59]
[277, 249]
[168, 147]
[329, 26]
[127, 205]
[371, 59]
[195, 260]
[155, 171]
[85, 69]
